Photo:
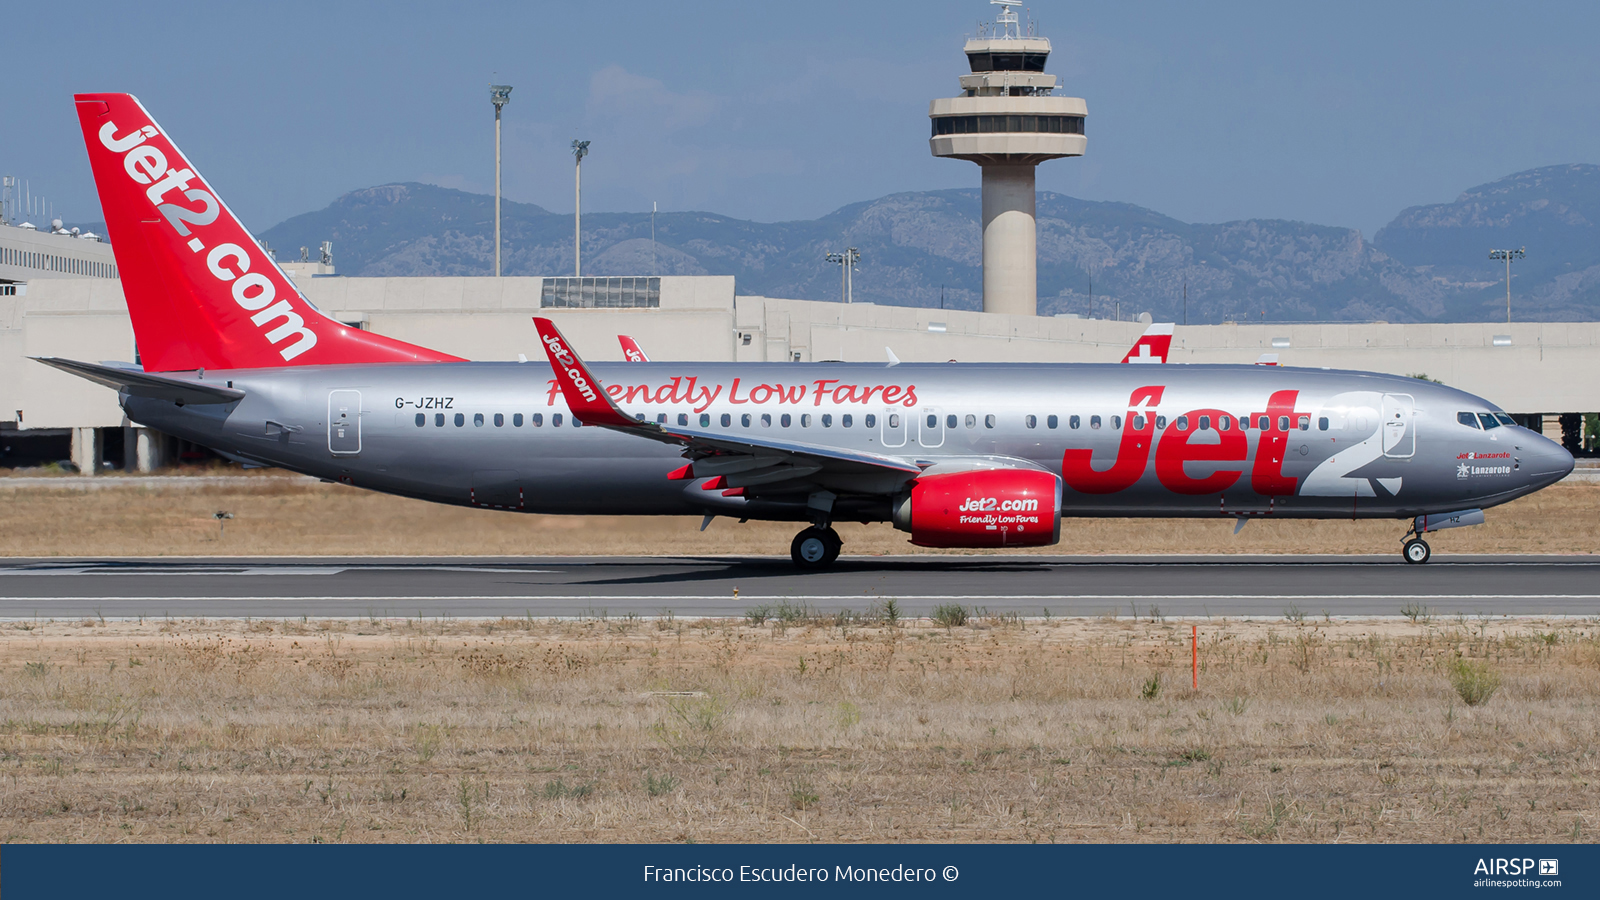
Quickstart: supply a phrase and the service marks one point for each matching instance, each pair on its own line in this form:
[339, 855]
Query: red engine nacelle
[982, 508]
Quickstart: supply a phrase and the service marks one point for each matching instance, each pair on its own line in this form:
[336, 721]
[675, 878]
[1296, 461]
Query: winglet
[893, 360]
[589, 402]
[1267, 359]
[1152, 346]
[631, 350]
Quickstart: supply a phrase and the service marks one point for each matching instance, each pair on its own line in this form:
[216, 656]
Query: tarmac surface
[1175, 586]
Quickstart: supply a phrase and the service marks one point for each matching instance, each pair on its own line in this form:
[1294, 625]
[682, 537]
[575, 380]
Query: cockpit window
[1467, 419]
[1488, 421]
[1505, 418]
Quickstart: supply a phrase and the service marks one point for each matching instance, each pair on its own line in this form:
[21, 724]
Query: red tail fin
[1152, 346]
[200, 290]
[631, 350]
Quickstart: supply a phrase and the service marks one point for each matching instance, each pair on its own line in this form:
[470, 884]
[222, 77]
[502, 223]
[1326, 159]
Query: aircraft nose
[1546, 461]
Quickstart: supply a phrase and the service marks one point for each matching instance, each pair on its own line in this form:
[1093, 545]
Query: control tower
[1008, 121]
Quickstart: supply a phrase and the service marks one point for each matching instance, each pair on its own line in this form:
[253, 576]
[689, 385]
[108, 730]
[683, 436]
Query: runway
[715, 586]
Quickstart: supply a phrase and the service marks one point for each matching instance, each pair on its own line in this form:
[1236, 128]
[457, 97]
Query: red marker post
[1194, 653]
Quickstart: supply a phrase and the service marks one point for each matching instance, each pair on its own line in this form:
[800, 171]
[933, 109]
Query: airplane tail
[202, 293]
[1152, 346]
[631, 350]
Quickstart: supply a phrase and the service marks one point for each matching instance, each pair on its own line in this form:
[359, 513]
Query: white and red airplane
[958, 454]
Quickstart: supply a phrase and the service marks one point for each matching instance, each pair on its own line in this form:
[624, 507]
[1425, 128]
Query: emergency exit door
[344, 422]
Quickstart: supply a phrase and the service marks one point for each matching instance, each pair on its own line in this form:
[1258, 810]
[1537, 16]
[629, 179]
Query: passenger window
[1488, 421]
[1073, 422]
[894, 420]
[1094, 421]
[1505, 418]
[638, 417]
[1116, 423]
[1224, 423]
[988, 421]
[1283, 423]
[1181, 423]
[576, 422]
[1305, 423]
[1161, 422]
[516, 420]
[727, 420]
[949, 421]
[422, 419]
[827, 420]
[784, 420]
[683, 419]
[766, 420]
[705, 420]
[536, 420]
[499, 420]
[871, 421]
[1138, 423]
[1052, 421]
[805, 420]
[744, 420]
[555, 420]
[477, 420]
[1031, 421]
[1467, 419]
[460, 420]
[1322, 423]
[1263, 423]
[933, 421]
[972, 421]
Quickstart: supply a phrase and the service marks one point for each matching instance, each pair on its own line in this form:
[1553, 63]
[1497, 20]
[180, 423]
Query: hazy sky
[1338, 113]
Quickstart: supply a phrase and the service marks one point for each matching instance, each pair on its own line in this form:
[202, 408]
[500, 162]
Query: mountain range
[1430, 264]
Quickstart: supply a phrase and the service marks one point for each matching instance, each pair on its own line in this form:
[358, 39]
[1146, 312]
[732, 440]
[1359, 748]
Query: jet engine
[982, 508]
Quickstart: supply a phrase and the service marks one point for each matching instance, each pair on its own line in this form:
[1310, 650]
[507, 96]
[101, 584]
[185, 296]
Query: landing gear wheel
[815, 548]
[1416, 551]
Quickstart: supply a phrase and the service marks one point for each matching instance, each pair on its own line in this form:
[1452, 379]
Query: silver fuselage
[1358, 445]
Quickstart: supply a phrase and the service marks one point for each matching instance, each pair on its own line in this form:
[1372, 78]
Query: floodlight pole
[838, 260]
[580, 149]
[851, 257]
[499, 95]
[1508, 256]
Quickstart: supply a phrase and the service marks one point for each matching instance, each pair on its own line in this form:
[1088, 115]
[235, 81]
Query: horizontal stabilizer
[144, 384]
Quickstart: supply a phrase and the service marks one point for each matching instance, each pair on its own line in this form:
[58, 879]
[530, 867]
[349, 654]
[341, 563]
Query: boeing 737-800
[957, 454]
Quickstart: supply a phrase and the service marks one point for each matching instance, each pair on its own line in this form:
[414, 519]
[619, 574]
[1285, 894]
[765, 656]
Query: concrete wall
[1545, 368]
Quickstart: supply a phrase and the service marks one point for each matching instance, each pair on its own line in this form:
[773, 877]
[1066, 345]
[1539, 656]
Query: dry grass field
[290, 516]
[799, 728]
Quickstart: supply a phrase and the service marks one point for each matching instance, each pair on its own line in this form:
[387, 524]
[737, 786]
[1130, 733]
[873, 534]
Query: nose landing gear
[1416, 551]
[815, 548]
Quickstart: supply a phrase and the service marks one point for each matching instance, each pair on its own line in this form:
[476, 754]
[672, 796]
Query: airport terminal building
[67, 302]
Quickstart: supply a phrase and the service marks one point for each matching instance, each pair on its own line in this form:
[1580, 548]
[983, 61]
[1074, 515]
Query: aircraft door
[894, 427]
[1398, 418]
[930, 427]
[344, 423]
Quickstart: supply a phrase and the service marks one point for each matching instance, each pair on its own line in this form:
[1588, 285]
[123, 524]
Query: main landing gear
[815, 548]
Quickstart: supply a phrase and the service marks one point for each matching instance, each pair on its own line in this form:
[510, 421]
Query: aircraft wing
[146, 384]
[1152, 346]
[733, 462]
